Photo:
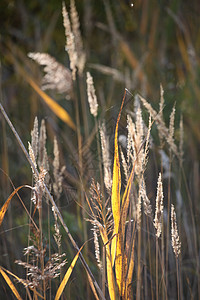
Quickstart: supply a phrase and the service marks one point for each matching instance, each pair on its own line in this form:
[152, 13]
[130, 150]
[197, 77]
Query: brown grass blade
[67, 275]
[10, 284]
[6, 204]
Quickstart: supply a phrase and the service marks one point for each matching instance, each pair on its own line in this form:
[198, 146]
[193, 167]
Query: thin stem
[177, 278]
[139, 266]
[168, 219]
[157, 268]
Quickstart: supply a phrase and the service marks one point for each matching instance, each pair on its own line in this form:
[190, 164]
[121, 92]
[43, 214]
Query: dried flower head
[34, 271]
[159, 207]
[92, 99]
[57, 77]
[176, 244]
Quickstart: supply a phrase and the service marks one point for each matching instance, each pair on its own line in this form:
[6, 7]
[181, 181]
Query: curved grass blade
[116, 247]
[10, 284]
[6, 204]
[67, 275]
[54, 106]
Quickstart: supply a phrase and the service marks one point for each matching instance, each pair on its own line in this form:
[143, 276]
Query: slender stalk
[49, 237]
[177, 278]
[168, 220]
[194, 230]
[53, 204]
[41, 248]
[157, 268]
[150, 259]
[139, 266]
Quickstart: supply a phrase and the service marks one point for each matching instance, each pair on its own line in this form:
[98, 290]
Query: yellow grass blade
[126, 199]
[110, 275]
[121, 232]
[67, 275]
[25, 285]
[10, 284]
[6, 204]
[54, 106]
[116, 246]
[130, 266]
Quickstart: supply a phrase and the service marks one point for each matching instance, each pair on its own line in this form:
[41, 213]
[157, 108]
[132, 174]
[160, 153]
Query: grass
[110, 210]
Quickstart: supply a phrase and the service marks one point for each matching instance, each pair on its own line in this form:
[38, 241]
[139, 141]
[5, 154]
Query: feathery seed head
[106, 157]
[70, 42]
[159, 207]
[176, 244]
[57, 77]
[92, 99]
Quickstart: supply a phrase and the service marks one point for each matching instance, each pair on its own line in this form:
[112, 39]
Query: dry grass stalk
[35, 138]
[146, 150]
[161, 108]
[57, 77]
[70, 42]
[57, 236]
[135, 140]
[176, 244]
[170, 137]
[163, 130]
[81, 58]
[92, 99]
[131, 131]
[42, 155]
[33, 159]
[159, 207]
[106, 157]
[96, 245]
[57, 171]
[146, 201]
[125, 165]
[139, 208]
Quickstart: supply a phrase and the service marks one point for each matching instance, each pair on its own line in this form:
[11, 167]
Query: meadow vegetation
[99, 160]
